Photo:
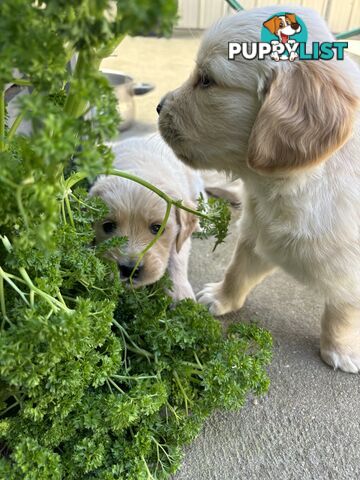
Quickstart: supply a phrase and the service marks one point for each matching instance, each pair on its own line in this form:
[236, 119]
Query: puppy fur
[291, 131]
[133, 209]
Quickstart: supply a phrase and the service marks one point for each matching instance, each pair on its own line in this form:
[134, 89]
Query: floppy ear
[187, 225]
[272, 24]
[291, 17]
[307, 114]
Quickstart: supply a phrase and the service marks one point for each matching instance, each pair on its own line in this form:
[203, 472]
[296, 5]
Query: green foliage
[218, 218]
[96, 380]
[97, 395]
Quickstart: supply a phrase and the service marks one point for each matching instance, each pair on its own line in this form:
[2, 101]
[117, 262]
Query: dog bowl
[125, 89]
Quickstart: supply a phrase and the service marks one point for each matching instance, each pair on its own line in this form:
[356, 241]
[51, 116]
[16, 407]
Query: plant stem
[20, 206]
[16, 125]
[150, 476]
[155, 239]
[21, 81]
[75, 104]
[48, 298]
[3, 304]
[186, 398]
[109, 386]
[141, 352]
[134, 377]
[67, 203]
[77, 177]
[159, 445]
[116, 386]
[9, 408]
[135, 348]
[125, 349]
[160, 193]
[198, 361]
[7, 277]
[17, 122]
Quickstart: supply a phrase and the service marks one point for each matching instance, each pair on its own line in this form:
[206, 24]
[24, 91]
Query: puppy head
[137, 213]
[207, 120]
[232, 115]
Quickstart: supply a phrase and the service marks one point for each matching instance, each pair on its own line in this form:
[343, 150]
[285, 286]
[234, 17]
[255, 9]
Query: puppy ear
[308, 114]
[291, 17]
[272, 24]
[187, 225]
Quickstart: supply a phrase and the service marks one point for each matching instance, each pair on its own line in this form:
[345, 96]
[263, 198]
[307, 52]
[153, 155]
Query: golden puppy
[291, 131]
[137, 213]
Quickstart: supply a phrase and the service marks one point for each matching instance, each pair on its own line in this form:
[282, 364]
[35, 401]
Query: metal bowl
[125, 89]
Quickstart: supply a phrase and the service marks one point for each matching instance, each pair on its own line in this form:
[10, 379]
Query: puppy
[291, 131]
[283, 26]
[136, 212]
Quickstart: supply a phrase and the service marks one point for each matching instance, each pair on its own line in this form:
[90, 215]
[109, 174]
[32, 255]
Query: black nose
[126, 270]
[295, 26]
[158, 108]
[161, 104]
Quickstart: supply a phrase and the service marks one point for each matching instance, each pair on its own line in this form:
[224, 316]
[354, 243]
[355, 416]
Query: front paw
[343, 359]
[218, 303]
[180, 292]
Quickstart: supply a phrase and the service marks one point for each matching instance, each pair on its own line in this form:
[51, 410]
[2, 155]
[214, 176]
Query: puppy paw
[180, 292]
[339, 359]
[214, 298]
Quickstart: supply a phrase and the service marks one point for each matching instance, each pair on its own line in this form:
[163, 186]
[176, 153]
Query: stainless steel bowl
[125, 89]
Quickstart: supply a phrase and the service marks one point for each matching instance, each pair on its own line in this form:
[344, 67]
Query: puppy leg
[340, 337]
[245, 271]
[178, 272]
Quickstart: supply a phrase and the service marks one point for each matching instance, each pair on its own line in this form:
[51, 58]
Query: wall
[341, 15]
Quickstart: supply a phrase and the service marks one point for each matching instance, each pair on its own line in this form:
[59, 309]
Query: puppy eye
[205, 81]
[154, 228]
[109, 227]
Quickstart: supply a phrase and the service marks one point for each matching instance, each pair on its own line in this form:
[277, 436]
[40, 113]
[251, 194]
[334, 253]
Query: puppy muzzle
[126, 270]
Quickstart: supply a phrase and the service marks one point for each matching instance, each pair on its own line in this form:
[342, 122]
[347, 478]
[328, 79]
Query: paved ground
[308, 426]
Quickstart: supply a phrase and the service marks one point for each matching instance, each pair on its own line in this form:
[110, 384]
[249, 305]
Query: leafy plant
[215, 220]
[96, 380]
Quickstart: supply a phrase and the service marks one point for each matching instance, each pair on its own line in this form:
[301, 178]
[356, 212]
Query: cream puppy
[291, 132]
[136, 213]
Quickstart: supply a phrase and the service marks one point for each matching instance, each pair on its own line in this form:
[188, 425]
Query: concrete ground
[308, 425]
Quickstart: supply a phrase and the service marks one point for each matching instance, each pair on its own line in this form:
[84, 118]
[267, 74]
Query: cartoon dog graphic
[283, 26]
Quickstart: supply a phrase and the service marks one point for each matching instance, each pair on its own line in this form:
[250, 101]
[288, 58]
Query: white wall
[341, 15]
